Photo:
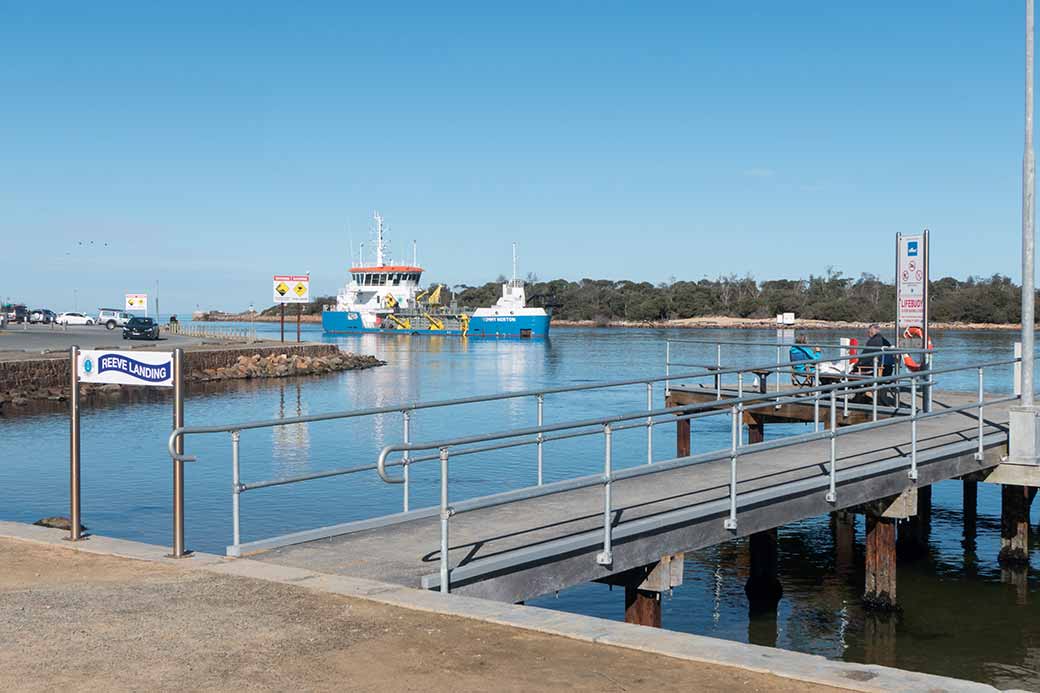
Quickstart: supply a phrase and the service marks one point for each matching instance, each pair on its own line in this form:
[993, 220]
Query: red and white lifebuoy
[914, 332]
[853, 350]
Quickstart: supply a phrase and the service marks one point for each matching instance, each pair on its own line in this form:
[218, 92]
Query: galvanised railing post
[874, 396]
[446, 513]
[606, 557]
[778, 368]
[649, 424]
[667, 365]
[832, 493]
[236, 492]
[913, 427]
[540, 399]
[406, 437]
[816, 399]
[731, 521]
[845, 396]
[979, 456]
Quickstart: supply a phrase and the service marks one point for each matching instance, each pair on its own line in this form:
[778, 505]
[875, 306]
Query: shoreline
[728, 323]
[706, 322]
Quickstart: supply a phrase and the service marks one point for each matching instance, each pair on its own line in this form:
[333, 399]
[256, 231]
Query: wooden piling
[843, 528]
[682, 438]
[1014, 524]
[914, 533]
[969, 514]
[880, 592]
[763, 587]
[642, 607]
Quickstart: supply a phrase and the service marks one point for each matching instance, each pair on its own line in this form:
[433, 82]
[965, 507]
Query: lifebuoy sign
[154, 368]
[911, 281]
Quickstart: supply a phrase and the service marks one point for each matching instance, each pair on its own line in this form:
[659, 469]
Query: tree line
[832, 296]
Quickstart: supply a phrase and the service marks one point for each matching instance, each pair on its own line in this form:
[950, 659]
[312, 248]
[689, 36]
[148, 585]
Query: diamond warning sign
[290, 288]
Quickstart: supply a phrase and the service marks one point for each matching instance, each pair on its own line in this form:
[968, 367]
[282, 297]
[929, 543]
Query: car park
[42, 316]
[74, 319]
[112, 318]
[141, 328]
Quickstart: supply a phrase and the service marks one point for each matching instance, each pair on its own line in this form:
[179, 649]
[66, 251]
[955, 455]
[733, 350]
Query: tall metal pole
[178, 466]
[1028, 224]
[74, 523]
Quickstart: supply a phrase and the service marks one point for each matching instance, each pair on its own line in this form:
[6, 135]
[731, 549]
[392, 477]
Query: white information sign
[153, 368]
[291, 288]
[912, 273]
[137, 301]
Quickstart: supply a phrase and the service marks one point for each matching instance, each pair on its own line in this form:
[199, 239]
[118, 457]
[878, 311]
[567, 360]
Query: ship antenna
[415, 253]
[514, 262]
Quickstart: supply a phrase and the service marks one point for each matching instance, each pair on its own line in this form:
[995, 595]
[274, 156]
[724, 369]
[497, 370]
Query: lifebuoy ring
[853, 343]
[914, 332]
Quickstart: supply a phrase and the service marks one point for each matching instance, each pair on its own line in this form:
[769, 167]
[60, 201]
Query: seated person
[803, 361]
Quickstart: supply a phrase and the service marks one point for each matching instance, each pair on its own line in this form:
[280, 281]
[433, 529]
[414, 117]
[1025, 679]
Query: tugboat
[385, 297]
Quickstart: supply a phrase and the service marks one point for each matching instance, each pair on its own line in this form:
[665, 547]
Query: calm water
[963, 617]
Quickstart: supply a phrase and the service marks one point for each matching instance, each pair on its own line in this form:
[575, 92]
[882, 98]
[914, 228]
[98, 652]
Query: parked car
[42, 316]
[74, 319]
[16, 312]
[141, 328]
[112, 317]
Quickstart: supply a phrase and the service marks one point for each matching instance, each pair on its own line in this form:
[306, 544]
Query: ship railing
[650, 418]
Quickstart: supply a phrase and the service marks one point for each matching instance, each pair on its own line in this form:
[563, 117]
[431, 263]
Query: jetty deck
[518, 550]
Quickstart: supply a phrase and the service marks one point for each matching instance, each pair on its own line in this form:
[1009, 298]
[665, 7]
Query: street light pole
[1028, 224]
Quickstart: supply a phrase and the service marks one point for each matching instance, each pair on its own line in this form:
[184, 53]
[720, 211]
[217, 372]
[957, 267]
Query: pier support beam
[643, 588]
[969, 514]
[880, 592]
[763, 588]
[1014, 524]
[756, 429]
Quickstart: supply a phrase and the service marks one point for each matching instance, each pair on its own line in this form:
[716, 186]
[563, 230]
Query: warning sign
[289, 288]
[137, 301]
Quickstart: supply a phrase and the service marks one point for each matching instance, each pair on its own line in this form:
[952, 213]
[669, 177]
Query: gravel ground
[73, 621]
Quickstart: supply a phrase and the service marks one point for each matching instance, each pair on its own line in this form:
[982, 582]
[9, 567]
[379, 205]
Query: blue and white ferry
[386, 297]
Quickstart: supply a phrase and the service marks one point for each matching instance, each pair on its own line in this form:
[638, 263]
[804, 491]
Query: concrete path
[80, 622]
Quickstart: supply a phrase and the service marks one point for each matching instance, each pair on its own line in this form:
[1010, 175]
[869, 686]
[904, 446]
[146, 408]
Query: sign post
[912, 259]
[148, 368]
[291, 288]
[74, 534]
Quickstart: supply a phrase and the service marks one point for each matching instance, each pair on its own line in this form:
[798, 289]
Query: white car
[112, 317]
[74, 319]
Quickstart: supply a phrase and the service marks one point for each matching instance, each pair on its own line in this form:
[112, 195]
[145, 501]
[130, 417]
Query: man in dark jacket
[876, 342]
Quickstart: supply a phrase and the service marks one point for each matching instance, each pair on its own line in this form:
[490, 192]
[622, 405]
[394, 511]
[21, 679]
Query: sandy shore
[81, 622]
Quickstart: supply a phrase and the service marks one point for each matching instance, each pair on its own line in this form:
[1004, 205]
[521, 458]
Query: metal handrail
[649, 419]
[735, 451]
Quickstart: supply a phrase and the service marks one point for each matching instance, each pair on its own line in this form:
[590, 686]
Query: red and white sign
[910, 282]
[291, 288]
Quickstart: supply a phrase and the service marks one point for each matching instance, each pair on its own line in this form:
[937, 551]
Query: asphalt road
[40, 338]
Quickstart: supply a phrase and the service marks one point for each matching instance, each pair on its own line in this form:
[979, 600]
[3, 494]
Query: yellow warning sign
[291, 288]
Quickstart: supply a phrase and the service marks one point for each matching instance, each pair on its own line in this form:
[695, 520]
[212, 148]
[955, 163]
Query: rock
[58, 523]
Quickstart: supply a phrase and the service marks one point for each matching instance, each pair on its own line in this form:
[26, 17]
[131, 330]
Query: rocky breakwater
[284, 365]
[26, 381]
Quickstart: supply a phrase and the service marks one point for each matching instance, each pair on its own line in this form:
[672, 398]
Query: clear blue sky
[211, 145]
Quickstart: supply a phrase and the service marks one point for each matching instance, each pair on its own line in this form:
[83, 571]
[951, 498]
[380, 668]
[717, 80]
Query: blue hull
[345, 322]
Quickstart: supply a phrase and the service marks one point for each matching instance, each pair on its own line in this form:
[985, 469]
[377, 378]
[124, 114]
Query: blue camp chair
[803, 362]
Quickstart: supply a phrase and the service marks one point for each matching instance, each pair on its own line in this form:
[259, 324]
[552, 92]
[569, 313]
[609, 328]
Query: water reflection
[290, 444]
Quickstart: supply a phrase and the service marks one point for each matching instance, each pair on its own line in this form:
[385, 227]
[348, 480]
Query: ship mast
[379, 239]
